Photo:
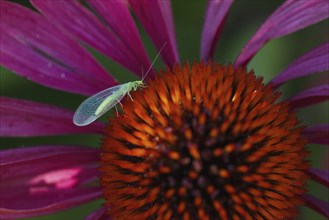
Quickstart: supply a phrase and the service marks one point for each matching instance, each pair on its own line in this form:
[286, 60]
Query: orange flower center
[204, 142]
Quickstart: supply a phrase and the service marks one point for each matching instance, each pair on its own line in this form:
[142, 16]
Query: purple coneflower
[202, 141]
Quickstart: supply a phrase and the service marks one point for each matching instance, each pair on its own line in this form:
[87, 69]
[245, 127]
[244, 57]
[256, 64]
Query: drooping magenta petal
[99, 214]
[156, 17]
[69, 200]
[289, 17]
[316, 60]
[310, 97]
[216, 14]
[75, 19]
[21, 118]
[317, 204]
[321, 176]
[118, 18]
[317, 134]
[46, 179]
[36, 49]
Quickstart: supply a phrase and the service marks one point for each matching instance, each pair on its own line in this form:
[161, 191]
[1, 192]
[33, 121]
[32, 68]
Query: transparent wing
[97, 105]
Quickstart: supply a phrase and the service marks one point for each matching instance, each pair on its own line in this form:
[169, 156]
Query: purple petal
[317, 204]
[289, 17]
[46, 179]
[156, 17]
[316, 60]
[73, 18]
[310, 97]
[118, 18]
[34, 48]
[99, 214]
[317, 134]
[216, 14]
[321, 176]
[20, 118]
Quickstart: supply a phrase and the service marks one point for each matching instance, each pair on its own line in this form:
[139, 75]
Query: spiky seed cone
[204, 142]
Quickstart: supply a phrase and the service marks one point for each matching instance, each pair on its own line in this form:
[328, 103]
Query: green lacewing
[97, 105]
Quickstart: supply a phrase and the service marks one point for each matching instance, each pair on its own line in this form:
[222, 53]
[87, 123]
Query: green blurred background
[244, 18]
